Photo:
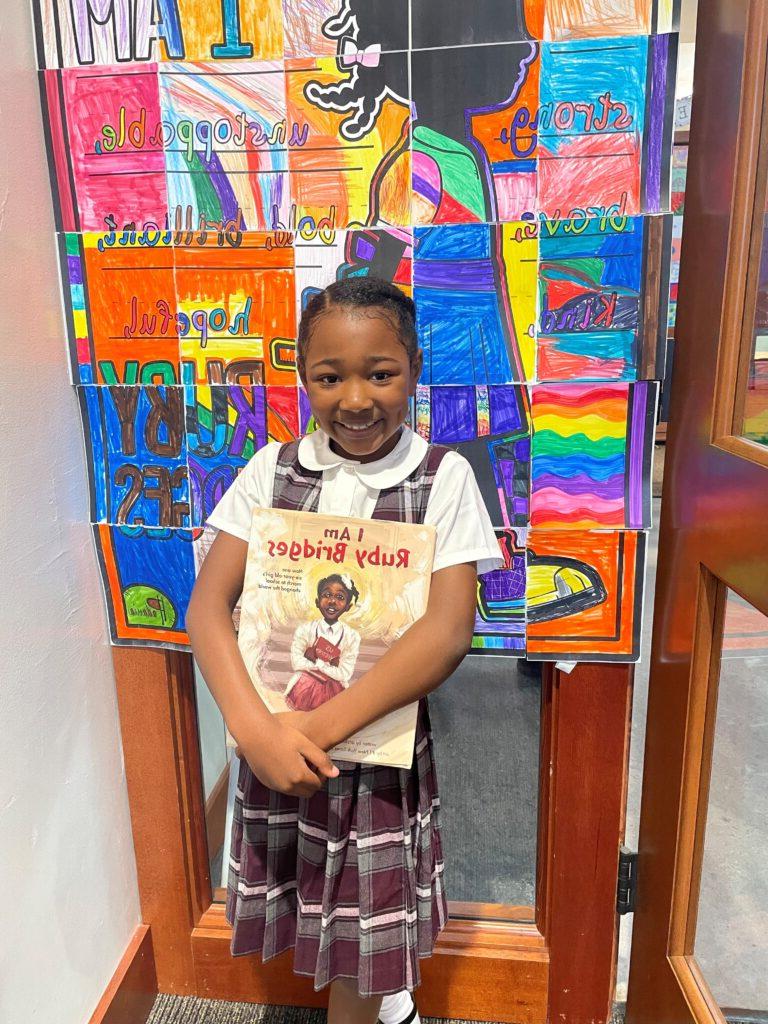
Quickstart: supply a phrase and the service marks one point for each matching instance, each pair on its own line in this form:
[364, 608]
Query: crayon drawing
[475, 293]
[209, 31]
[148, 575]
[137, 455]
[590, 126]
[236, 311]
[500, 615]
[121, 308]
[324, 28]
[571, 19]
[350, 156]
[225, 427]
[590, 278]
[76, 308]
[584, 595]
[83, 32]
[215, 165]
[74, 33]
[333, 256]
[489, 426]
[225, 137]
[591, 455]
[437, 24]
[674, 269]
[474, 149]
[108, 162]
[283, 414]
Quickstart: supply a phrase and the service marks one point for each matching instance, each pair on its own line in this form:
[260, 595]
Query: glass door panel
[752, 400]
[216, 759]
[731, 945]
[751, 406]
[486, 725]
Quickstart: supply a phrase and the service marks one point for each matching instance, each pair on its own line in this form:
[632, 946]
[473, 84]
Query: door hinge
[627, 887]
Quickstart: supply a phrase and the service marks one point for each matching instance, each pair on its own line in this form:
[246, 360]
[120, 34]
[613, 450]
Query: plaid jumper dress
[352, 877]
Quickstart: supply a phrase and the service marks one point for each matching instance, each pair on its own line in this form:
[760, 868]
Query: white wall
[67, 869]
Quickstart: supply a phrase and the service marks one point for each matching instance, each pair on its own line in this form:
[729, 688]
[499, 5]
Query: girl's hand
[297, 719]
[284, 759]
[301, 720]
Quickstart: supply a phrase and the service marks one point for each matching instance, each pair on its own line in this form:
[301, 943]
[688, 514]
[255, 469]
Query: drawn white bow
[367, 58]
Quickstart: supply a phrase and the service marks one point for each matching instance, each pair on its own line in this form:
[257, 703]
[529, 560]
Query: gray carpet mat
[193, 1010]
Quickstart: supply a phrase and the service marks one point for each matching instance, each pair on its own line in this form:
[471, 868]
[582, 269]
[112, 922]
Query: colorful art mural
[591, 455]
[214, 165]
[180, 307]
[475, 294]
[490, 427]
[590, 281]
[584, 595]
[148, 577]
[500, 615]
[333, 256]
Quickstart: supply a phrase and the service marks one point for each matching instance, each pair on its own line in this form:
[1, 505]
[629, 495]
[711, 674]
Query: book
[324, 597]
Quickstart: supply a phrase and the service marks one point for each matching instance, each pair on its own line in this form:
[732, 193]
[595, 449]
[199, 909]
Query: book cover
[324, 597]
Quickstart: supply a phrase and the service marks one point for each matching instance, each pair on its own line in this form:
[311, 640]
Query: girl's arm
[275, 750]
[423, 658]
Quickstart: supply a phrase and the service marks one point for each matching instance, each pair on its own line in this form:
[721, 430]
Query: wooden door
[552, 961]
[712, 589]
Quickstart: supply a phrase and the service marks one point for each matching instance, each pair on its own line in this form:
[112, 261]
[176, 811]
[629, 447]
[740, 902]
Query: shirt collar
[315, 453]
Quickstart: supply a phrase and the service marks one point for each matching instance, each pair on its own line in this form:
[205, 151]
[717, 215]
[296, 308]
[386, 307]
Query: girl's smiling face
[332, 601]
[359, 379]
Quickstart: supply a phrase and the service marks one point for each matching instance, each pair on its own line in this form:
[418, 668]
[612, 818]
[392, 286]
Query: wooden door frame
[713, 532]
[560, 967]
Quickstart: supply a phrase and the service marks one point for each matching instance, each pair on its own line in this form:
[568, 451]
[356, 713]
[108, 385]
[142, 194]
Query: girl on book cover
[323, 651]
[343, 863]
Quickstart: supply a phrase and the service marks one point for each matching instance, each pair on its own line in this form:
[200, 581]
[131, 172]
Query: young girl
[343, 863]
[323, 652]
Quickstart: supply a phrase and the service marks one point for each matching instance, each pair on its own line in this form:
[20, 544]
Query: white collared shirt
[455, 507]
[332, 631]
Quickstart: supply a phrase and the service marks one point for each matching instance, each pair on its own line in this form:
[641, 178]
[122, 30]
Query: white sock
[397, 1008]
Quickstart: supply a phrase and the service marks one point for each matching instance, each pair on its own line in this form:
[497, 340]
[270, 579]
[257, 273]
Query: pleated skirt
[351, 878]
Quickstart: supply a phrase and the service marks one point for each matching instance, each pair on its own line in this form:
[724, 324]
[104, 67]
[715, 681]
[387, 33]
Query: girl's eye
[329, 378]
[382, 375]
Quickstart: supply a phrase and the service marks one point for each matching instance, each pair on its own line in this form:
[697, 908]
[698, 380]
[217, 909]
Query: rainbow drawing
[225, 135]
[591, 455]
